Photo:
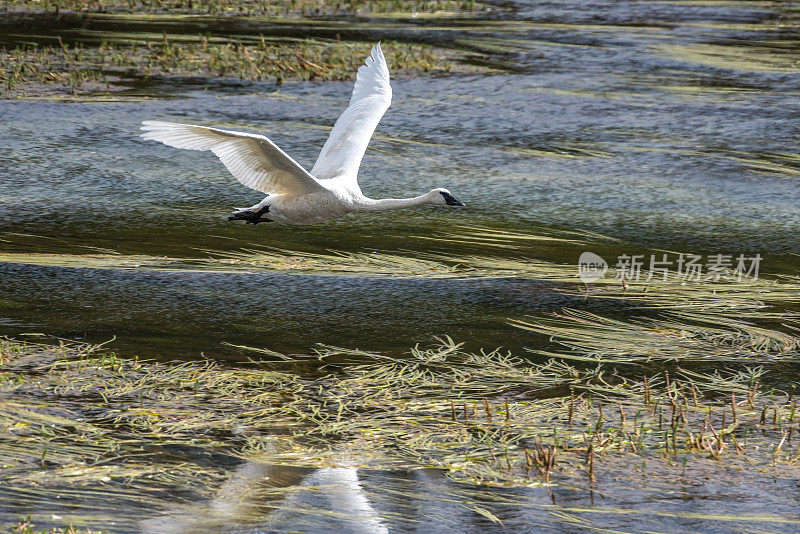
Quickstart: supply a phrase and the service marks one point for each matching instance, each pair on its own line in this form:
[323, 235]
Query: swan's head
[443, 196]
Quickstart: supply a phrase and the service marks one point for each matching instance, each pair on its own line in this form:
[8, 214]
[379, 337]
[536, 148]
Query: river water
[638, 126]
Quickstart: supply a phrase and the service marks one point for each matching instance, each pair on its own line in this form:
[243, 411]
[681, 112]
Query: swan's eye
[450, 200]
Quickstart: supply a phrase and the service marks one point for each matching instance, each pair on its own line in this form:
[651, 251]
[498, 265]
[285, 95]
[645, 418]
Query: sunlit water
[663, 125]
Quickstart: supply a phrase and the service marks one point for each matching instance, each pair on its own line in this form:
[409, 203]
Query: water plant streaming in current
[484, 421]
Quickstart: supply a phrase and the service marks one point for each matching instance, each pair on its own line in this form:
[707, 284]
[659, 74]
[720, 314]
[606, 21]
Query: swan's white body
[296, 196]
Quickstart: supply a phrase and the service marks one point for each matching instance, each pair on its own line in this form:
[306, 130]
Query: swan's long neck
[371, 204]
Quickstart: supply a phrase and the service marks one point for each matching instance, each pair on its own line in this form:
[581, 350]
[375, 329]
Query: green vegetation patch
[683, 384]
[58, 47]
[81, 69]
[269, 8]
[77, 419]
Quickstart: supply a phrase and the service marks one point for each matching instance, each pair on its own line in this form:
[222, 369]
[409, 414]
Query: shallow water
[660, 125]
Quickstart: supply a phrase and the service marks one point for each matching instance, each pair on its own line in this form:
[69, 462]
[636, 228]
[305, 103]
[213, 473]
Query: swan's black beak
[450, 200]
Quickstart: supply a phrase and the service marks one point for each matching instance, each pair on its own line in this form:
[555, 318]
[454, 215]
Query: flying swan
[294, 195]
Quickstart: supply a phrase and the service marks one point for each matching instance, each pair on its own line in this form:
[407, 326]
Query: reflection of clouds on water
[332, 496]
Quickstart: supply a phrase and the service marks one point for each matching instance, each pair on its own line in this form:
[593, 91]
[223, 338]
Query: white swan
[295, 196]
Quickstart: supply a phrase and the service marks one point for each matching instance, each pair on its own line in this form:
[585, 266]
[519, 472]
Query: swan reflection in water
[334, 495]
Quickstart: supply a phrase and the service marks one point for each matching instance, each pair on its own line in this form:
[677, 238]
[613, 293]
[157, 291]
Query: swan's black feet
[250, 216]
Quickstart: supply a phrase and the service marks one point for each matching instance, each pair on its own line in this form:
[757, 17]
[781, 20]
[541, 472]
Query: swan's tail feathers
[251, 216]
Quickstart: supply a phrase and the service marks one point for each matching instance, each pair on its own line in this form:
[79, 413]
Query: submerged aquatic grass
[86, 68]
[680, 337]
[732, 301]
[92, 48]
[77, 417]
[273, 8]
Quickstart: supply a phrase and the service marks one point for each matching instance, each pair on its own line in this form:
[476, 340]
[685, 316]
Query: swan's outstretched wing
[372, 94]
[253, 159]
